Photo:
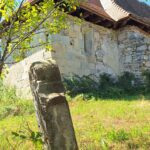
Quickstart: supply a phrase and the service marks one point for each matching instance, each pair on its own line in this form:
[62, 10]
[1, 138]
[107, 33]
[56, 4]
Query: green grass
[112, 124]
[99, 125]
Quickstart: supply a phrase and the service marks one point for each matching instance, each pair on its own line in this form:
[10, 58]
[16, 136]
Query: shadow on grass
[104, 87]
[125, 97]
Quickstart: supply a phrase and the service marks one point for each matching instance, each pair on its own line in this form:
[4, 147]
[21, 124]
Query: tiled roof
[114, 10]
[95, 7]
[114, 13]
[118, 10]
[135, 7]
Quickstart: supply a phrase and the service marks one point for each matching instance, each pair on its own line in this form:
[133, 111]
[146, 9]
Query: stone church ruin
[113, 38]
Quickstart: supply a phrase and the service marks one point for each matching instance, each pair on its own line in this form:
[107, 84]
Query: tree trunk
[51, 106]
[1, 68]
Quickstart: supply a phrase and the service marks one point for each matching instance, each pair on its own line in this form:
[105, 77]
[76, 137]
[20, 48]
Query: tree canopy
[21, 21]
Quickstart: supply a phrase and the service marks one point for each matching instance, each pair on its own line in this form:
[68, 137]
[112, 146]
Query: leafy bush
[103, 86]
[105, 80]
[127, 82]
[111, 92]
[108, 87]
[27, 134]
[146, 75]
[77, 85]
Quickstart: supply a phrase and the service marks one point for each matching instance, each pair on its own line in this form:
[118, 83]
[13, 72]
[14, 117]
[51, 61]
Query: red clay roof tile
[117, 10]
[95, 7]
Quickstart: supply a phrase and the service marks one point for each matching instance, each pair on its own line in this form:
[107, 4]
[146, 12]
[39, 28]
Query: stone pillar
[51, 106]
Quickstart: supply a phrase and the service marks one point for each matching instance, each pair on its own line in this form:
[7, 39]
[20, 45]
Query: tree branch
[13, 21]
[34, 29]
[8, 41]
[31, 47]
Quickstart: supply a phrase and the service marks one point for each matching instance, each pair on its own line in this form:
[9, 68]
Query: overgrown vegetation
[105, 86]
[98, 124]
[11, 105]
[146, 75]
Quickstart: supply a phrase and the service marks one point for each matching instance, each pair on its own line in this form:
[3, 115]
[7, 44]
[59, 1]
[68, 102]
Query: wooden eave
[98, 16]
[93, 17]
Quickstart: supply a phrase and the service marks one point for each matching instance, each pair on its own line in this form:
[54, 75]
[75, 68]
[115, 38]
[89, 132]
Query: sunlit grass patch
[112, 124]
[26, 126]
[99, 125]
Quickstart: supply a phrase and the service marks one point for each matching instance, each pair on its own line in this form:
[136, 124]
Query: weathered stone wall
[83, 49]
[88, 49]
[134, 46]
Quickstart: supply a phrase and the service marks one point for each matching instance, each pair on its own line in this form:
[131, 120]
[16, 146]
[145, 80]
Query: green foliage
[4, 73]
[105, 86]
[108, 87]
[104, 144]
[77, 85]
[6, 93]
[11, 105]
[106, 80]
[99, 125]
[119, 136]
[127, 82]
[26, 22]
[27, 134]
[146, 75]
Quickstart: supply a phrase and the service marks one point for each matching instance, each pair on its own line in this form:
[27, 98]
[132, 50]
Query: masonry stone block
[147, 64]
[142, 48]
[134, 36]
[96, 36]
[121, 37]
[145, 57]
[122, 46]
[128, 59]
[147, 40]
[149, 48]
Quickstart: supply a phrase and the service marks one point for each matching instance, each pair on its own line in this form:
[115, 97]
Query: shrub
[105, 87]
[127, 82]
[108, 87]
[27, 134]
[146, 75]
[78, 85]
[105, 81]
[111, 92]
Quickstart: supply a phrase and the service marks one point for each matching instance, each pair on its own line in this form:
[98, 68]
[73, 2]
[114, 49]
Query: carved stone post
[51, 106]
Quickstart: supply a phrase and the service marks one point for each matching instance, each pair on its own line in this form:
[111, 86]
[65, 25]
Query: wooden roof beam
[97, 19]
[100, 20]
[106, 23]
[86, 14]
